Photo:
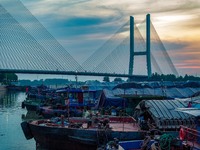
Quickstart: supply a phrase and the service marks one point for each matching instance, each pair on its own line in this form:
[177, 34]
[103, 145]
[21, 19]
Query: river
[11, 114]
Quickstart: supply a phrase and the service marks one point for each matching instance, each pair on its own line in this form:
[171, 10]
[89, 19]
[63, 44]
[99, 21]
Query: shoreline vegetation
[12, 79]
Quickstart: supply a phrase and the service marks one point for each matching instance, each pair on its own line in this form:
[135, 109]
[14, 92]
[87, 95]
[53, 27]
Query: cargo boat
[81, 133]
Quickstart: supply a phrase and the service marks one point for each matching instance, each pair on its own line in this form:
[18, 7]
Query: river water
[11, 114]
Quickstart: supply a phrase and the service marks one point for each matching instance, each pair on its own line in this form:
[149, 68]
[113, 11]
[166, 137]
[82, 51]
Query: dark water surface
[11, 114]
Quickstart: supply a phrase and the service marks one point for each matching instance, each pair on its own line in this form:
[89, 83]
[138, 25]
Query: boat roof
[170, 92]
[73, 90]
[164, 113]
[192, 111]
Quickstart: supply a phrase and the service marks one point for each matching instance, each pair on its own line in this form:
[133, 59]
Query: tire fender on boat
[23, 106]
[26, 129]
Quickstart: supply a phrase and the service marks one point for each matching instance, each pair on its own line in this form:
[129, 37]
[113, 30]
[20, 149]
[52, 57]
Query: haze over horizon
[82, 26]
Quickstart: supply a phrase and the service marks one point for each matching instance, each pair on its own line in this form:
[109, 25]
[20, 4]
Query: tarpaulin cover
[108, 99]
[164, 113]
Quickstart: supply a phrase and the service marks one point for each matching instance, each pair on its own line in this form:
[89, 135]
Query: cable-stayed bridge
[134, 50]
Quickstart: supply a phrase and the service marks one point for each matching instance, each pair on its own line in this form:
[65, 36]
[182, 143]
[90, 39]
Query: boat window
[86, 95]
[71, 95]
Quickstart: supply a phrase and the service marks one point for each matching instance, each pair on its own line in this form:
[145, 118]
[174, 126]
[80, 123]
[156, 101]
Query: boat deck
[124, 126]
[115, 124]
[116, 127]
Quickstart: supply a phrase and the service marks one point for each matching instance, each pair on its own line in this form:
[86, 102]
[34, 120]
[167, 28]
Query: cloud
[94, 21]
[169, 45]
[86, 22]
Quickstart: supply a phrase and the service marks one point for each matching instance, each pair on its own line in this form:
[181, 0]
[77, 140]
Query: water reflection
[7, 102]
[11, 134]
[2, 95]
[11, 99]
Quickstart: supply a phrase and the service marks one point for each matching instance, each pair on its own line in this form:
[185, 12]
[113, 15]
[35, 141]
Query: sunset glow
[91, 22]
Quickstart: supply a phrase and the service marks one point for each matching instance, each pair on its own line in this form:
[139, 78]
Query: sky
[82, 26]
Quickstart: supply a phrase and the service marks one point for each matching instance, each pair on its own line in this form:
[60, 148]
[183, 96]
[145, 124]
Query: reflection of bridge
[27, 47]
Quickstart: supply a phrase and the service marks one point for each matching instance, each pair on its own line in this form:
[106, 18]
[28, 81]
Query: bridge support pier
[148, 45]
[147, 52]
[131, 60]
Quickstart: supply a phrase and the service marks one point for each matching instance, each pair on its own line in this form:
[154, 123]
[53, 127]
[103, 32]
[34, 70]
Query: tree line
[172, 77]
[162, 77]
[8, 78]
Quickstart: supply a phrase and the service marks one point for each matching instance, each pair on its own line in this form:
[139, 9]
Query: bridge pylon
[147, 52]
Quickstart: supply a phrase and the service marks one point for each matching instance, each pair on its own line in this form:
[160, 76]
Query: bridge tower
[147, 52]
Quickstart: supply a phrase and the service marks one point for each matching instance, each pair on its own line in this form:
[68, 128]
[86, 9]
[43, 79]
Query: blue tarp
[108, 99]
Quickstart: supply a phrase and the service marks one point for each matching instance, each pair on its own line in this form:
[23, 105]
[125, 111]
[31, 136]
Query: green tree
[106, 79]
[118, 79]
[172, 77]
[7, 78]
